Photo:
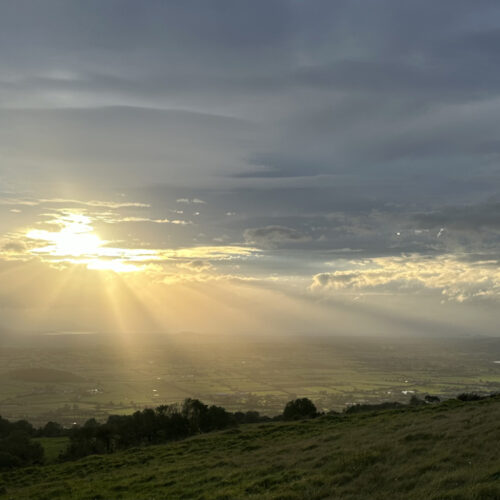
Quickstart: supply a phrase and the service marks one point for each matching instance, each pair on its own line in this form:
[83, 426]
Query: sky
[311, 167]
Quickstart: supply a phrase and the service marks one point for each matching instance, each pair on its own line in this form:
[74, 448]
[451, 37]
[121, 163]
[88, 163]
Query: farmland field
[96, 378]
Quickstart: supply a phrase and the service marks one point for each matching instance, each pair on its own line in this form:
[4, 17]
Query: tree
[416, 401]
[52, 429]
[19, 445]
[218, 418]
[299, 408]
[196, 413]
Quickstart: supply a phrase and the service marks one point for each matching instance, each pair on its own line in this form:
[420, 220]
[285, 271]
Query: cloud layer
[352, 145]
[445, 275]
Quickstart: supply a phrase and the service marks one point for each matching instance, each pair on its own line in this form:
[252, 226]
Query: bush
[8, 461]
[358, 408]
[416, 401]
[432, 399]
[51, 429]
[21, 447]
[299, 408]
[469, 396]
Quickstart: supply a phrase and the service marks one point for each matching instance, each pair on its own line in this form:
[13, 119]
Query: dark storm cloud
[470, 218]
[270, 236]
[121, 145]
[250, 47]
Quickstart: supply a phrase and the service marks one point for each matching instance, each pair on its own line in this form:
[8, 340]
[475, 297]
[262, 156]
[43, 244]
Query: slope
[445, 451]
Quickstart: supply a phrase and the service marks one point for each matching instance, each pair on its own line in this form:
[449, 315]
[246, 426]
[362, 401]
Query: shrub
[299, 408]
[22, 448]
[358, 408]
[51, 429]
[8, 461]
[432, 399]
[469, 396]
[416, 401]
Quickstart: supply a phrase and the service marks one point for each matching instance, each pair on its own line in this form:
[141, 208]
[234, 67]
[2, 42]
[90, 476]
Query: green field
[99, 377]
[446, 451]
[53, 447]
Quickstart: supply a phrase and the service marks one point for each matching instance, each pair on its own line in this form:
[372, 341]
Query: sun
[67, 243]
[76, 242]
[75, 238]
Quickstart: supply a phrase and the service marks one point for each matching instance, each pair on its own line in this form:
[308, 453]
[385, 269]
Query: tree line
[159, 425]
[168, 423]
[149, 426]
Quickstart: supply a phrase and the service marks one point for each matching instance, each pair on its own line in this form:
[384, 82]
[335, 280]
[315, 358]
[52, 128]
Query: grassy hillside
[447, 451]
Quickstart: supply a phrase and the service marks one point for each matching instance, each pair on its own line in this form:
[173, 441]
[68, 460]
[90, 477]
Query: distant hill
[436, 451]
[44, 375]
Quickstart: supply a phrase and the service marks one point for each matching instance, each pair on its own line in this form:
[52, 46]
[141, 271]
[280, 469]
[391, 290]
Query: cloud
[158, 140]
[66, 201]
[447, 275]
[469, 218]
[97, 203]
[326, 145]
[193, 200]
[271, 236]
[197, 266]
[13, 247]
[19, 202]
[153, 221]
[214, 253]
[67, 237]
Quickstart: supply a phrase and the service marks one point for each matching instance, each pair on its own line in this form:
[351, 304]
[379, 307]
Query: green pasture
[53, 447]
